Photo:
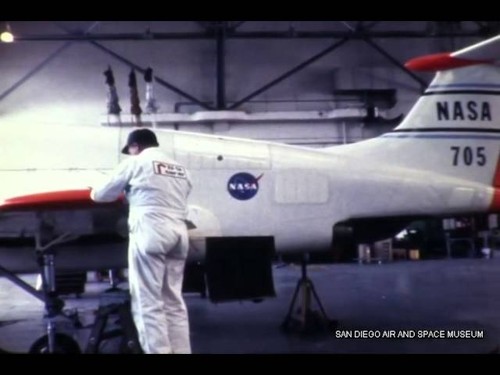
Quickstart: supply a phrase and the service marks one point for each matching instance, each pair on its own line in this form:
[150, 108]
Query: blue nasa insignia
[243, 186]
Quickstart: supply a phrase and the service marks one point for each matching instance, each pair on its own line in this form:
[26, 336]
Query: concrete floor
[403, 297]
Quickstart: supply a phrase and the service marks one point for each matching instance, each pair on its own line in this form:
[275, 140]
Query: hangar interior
[308, 83]
[276, 73]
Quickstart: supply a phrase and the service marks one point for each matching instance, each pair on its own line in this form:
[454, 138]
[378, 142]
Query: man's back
[158, 181]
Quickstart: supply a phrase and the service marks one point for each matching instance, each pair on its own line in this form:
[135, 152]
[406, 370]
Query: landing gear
[61, 344]
[52, 342]
[306, 320]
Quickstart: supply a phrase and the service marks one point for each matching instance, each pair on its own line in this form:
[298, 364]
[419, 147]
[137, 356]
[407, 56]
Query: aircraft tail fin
[454, 127]
[464, 94]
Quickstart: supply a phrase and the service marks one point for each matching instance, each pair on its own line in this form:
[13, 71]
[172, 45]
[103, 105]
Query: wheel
[63, 345]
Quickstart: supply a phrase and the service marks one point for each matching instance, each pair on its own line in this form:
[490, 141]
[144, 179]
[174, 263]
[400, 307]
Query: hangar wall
[69, 89]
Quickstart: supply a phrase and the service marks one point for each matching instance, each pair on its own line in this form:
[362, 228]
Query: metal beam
[289, 73]
[237, 24]
[480, 24]
[142, 70]
[37, 68]
[370, 25]
[297, 34]
[33, 71]
[220, 68]
[4, 272]
[202, 24]
[423, 83]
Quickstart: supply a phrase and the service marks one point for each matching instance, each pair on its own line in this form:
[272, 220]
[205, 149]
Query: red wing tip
[62, 198]
[440, 61]
[51, 197]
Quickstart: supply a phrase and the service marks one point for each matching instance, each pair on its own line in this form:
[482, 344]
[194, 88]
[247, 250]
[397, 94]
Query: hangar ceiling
[162, 30]
[341, 32]
[246, 66]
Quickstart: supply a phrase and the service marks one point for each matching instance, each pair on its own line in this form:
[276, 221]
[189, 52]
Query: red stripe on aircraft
[440, 61]
[495, 202]
[53, 199]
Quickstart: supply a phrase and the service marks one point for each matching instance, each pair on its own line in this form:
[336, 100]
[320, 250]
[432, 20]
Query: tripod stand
[306, 320]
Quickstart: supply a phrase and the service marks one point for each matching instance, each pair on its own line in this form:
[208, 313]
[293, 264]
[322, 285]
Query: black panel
[194, 279]
[239, 268]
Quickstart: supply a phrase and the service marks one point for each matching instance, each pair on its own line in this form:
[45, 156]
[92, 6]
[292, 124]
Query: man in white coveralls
[157, 189]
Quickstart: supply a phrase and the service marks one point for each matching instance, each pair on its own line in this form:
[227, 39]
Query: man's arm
[114, 186]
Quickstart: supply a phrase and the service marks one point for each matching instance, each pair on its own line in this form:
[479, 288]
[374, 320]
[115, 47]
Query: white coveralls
[158, 188]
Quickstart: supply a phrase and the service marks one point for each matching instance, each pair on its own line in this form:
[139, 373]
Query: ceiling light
[6, 36]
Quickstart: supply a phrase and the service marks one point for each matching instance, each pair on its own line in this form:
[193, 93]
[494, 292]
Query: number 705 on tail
[468, 156]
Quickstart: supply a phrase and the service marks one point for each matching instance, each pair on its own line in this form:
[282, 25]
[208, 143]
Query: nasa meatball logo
[243, 186]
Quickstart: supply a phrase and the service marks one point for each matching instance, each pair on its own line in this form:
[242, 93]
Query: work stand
[114, 313]
[114, 306]
[301, 318]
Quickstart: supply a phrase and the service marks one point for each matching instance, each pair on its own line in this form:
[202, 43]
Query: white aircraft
[253, 198]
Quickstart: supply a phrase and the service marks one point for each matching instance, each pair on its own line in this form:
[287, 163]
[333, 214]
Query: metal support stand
[306, 320]
[114, 304]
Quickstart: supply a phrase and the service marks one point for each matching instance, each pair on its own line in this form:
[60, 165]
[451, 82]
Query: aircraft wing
[63, 199]
[89, 235]
[66, 199]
